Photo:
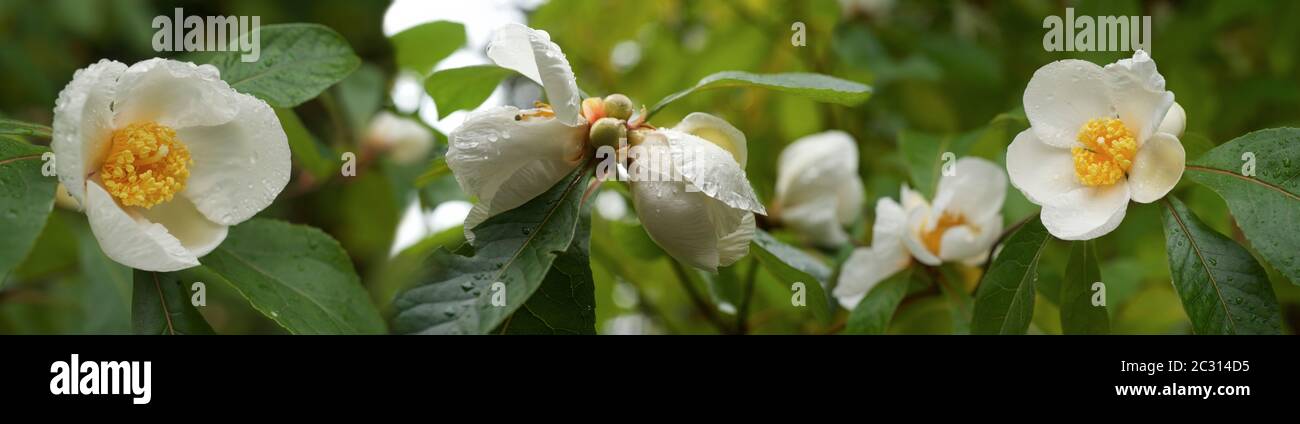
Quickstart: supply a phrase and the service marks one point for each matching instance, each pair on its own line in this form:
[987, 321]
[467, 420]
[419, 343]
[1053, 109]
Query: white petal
[865, 268]
[1040, 171]
[83, 124]
[989, 231]
[918, 220]
[709, 169]
[690, 226]
[969, 242]
[1138, 92]
[1086, 213]
[405, 139]
[813, 162]
[1157, 168]
[133, 241]
[239, 166]
[735, 246]
[506, 162]
[1175, 121]
[717, 131]
[531, 53]
[175, 94]
[891, 223]
[1062, 96]
[850, 202]
[911, 199]
[816, 221]
[976, 189]
[184, 222]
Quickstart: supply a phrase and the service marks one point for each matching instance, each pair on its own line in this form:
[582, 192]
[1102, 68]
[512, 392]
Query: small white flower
[960, 226]
[818, 189]
[701, 208]
[405, 140]
[1098, 138]
[164, 156]
[505, 156]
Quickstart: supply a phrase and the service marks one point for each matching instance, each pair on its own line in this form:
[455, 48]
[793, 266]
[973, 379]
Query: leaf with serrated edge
[1004, 303]
[565, 303]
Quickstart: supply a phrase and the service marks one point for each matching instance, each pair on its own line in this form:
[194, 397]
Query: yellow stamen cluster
[1107, 152]
[933, 237]
[146, 165]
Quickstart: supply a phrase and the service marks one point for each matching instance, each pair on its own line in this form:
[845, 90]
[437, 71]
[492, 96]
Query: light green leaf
[1078, 314]
[160, 304]
[26, 199]
[12, 127]
[420, 48]
[566, 301]
[1266, 205]
[926, 156]
[790, 266]
[822, 88]
[873, 313]
[1004, 303]
[463, 88]
[437, 169]
[297, 62]
[1223, 289]
[296, 275]
[516, 249]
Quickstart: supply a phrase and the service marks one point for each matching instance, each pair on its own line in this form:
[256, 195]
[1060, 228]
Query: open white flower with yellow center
[506, 156]
[960, 226]
[818, 189]
[1098, 138]
[164, 156]
[697, 203]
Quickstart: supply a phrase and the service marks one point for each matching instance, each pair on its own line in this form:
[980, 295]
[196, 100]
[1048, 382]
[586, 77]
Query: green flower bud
[607, 132]
[618, 106]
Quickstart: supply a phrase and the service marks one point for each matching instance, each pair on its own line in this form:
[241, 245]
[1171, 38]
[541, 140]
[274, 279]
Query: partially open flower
[1098, 138]
[818, 189]
[697, 204]
[960, 226]
[403, 139]
[164, 156]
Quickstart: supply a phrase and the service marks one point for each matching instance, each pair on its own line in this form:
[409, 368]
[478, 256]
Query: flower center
[934, 237]
[1107, 152]
[146, 165]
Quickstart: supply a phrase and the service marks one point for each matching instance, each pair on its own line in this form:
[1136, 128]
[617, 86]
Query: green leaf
[1004, 303]
[437, 169]
[160, 304]
[12, 127]
[1223, 289]
[566, 301]
[296, 275]
[822, 88]
[1078, 314]
[873, 313]
[297, 62]
[925, 155]
[515, 248]
[953, 287]
[303, 145]
[790, 266]
[26, 199]
[420, 48]
[107, 295]
[1266, 205]
[463, 88]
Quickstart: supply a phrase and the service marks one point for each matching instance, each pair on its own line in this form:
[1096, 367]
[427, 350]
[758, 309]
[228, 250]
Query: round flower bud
[608, 132]
[618, 106]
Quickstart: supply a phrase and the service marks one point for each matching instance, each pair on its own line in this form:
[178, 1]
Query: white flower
[1098, 138]
[699, 207]
[818, 190]
[164, 156]
[405, 140]
[960, 226]
[505, 156]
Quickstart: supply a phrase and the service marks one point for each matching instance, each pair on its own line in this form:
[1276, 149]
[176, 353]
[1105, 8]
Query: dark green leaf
[961, 305]
[303, 145]
[26, 199]
[1266, 205]
[1078, 314]
[566, 301]
[822, 88]
[161, 304]
[515, 248]
[107, 295]
[463, 88]
[1004, 303]
[790, 266]
[1223, 289]
[297, 62]
[873, 313]
[296, 275]
[420, 48]
[12, 127]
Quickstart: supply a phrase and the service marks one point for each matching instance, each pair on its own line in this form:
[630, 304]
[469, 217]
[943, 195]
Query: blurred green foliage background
[942, 71]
